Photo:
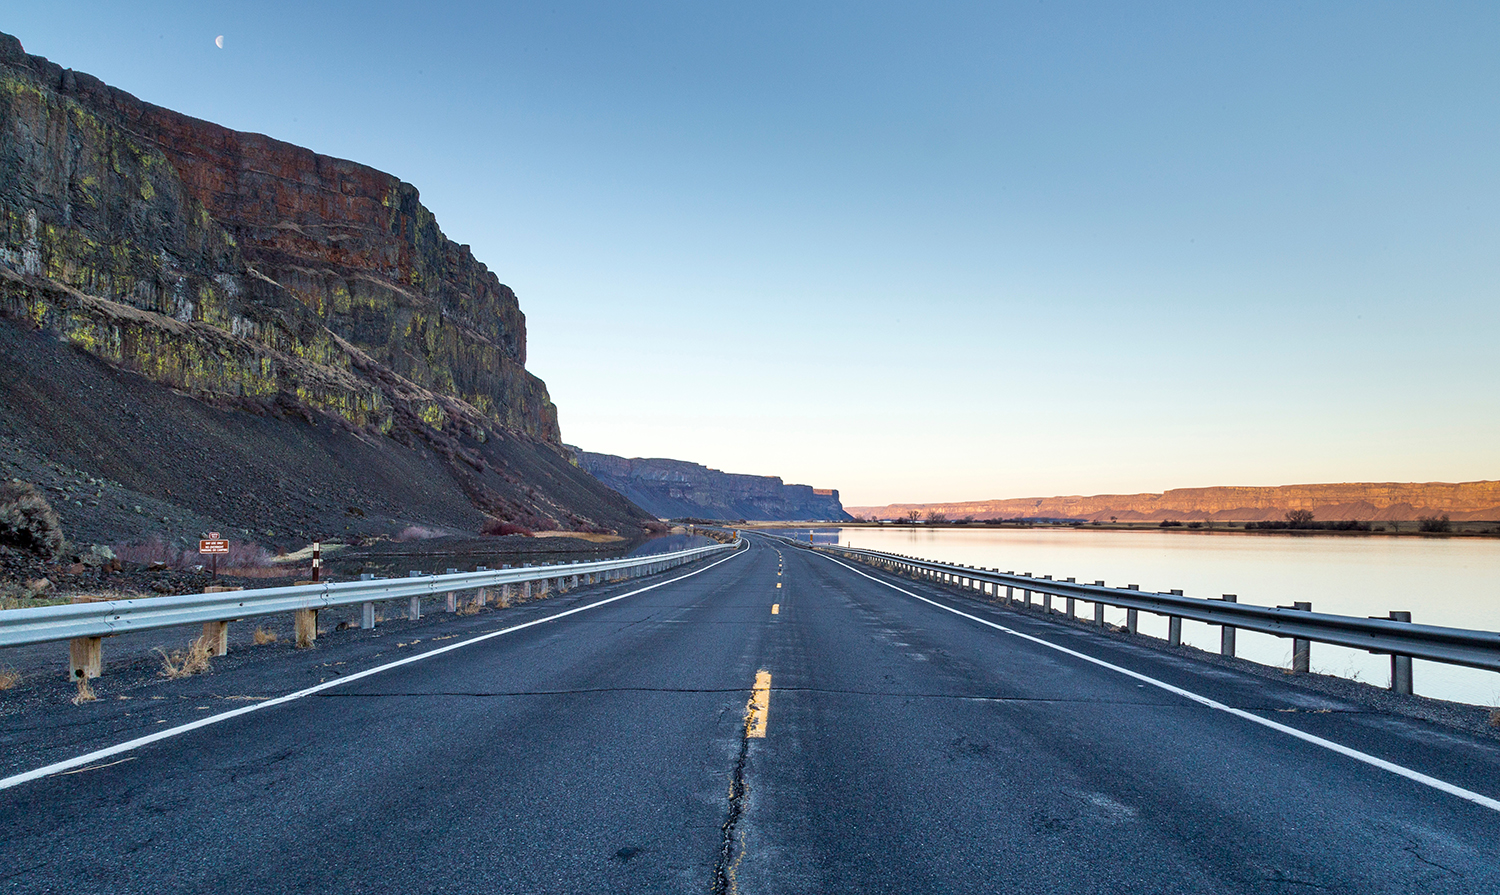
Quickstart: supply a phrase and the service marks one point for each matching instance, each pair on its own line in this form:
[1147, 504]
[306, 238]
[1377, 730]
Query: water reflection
[1441, 581]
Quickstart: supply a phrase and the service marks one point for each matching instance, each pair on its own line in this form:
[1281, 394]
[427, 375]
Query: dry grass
[9, 677]
[186, 663]
[85, 692]
[469, 609]
[594, 537]
[1495, 717]
[263, 636]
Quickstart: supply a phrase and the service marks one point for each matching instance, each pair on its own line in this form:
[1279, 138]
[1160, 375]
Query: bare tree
[913, 515]
[936, 517]
[1298, 518]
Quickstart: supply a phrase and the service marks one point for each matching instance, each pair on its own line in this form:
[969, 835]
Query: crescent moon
[219, 41]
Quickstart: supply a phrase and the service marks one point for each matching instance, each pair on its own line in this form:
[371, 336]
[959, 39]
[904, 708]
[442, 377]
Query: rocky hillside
[675, 489]
[1388, 501]
[268, 281]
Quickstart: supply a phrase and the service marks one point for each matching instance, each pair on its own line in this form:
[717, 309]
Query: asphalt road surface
[773, 722]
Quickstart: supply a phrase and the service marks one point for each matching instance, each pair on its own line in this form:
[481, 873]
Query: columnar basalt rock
[235, 264]
[250, 274]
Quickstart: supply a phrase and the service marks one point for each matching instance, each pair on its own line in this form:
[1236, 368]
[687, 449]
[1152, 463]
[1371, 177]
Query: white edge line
[138, 742]
[1399, 770]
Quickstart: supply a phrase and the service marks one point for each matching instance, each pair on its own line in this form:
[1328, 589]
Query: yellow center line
[775, 608]
[760, 705]
[778, 584]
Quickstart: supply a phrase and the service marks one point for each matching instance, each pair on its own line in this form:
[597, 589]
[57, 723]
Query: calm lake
[1441, 581]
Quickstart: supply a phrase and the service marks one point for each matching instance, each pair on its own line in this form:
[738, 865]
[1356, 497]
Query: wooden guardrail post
[1226, 632]
[1174, 625]
[1301, 649]
[1098, 608]
[414, 610]
[85, 657]
[215, 636]
[1401, 665]
[1132, 616]
[367, 616]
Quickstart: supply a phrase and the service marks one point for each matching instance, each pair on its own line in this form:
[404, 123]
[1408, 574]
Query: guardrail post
[1174, 625]
[1401, 665]
[1070, 608]
[216, 637]
[305, 624]
[85, 657]
[453, 595]
[1226, 632]
[367, 616]
[1132, 616]
[1301, 649]
[1098, 608]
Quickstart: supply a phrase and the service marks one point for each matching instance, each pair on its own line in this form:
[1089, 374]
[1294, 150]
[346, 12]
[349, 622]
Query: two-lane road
[777, 722]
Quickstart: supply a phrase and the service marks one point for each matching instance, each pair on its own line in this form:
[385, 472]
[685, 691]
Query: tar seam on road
[138, 742]
[728, 862]
[1399, 770]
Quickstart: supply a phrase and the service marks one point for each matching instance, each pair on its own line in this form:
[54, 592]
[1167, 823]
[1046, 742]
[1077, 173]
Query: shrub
[241, 555]
[28, 522]
[499, 528]
[1299, 518]
[185, 663]
[1434, 523]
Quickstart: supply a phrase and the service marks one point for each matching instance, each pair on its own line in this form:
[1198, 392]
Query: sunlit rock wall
[233, 264]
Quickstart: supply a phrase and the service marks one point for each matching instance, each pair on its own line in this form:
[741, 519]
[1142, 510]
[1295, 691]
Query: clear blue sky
[926, 251]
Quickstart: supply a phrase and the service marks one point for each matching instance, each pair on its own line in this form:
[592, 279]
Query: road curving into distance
[772, 722]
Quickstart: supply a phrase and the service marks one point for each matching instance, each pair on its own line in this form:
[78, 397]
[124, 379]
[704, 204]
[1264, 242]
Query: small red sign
[213, 546]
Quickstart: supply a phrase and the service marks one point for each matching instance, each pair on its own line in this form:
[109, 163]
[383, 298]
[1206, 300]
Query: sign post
[213, 545]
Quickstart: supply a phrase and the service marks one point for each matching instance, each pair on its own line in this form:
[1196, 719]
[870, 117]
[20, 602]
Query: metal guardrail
[1402, 640]
[83, 623]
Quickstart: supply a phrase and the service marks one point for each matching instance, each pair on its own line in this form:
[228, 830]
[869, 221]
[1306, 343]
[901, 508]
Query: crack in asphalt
[724, 883]
[1412, 850]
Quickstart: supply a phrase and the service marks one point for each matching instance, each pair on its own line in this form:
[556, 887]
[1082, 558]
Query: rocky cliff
[674, 489]
[256, 276]
[1363, 501]
[239, 265]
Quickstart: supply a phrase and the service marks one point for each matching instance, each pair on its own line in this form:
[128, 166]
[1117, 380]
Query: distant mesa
[1361, 501]
[674, 489]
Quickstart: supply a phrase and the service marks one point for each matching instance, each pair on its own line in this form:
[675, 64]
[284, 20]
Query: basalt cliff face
[235, 264]
[1387, 501]
[257, 276]
[674, 489]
